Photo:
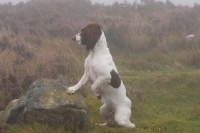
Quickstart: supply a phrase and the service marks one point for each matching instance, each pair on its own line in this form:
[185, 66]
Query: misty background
[176, 2]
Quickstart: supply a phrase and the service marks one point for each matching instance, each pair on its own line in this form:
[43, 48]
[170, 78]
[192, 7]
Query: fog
[176, 2]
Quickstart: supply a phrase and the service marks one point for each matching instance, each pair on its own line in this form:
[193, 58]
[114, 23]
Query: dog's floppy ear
[93, 33]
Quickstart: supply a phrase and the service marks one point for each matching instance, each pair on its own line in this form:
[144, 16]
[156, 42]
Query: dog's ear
[93, 33]
[92, 40]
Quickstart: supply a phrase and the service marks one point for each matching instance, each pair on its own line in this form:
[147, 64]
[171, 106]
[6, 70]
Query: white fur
[98, 65]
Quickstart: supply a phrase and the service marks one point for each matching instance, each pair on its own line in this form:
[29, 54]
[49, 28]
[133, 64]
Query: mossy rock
[46, 102]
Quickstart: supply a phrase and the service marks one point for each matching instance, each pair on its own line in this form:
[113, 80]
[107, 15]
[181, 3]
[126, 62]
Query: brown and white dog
[102, 72]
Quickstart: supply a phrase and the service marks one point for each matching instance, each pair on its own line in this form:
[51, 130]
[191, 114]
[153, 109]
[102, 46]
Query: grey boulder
[47, 102]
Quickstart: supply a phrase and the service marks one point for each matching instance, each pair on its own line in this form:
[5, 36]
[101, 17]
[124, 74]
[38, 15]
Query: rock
[47, 102]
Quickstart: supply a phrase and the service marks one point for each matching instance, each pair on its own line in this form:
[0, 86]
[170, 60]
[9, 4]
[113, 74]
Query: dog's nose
[74, 38]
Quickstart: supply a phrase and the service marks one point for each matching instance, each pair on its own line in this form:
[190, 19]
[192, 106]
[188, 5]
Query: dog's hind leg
[107, 112]
[101, 124]
[122, 116]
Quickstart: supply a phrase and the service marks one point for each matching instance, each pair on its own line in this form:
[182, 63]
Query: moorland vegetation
[160, 69]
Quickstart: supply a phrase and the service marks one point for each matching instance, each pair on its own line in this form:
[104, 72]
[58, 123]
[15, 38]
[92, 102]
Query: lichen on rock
[47, 102]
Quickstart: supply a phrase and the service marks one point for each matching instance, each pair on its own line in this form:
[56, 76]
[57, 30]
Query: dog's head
[89, 35]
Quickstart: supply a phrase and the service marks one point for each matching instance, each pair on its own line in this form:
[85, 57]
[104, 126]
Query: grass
[162, 85]
[165, 99]
[165, 94]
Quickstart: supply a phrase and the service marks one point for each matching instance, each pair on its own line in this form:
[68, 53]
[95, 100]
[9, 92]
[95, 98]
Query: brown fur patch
[115, 79]
[90, 34]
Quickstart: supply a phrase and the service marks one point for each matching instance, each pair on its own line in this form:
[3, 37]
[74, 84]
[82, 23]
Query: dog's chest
[91, 69]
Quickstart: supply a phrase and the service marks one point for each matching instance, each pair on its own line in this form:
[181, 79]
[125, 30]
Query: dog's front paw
[71, 90]
[96, 91]
[97, 94]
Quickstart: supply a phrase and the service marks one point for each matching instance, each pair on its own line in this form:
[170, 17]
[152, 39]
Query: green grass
[170, 100]
[165, 92]
[163, 101]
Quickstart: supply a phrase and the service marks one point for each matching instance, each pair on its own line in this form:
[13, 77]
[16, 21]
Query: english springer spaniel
[102, 72]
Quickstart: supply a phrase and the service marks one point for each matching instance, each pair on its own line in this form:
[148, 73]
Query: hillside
[158, 66]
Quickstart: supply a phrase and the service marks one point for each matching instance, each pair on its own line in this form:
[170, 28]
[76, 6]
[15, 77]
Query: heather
[147, 41]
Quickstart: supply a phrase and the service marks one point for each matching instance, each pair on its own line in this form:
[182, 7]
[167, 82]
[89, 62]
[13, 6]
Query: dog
[107, 85]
